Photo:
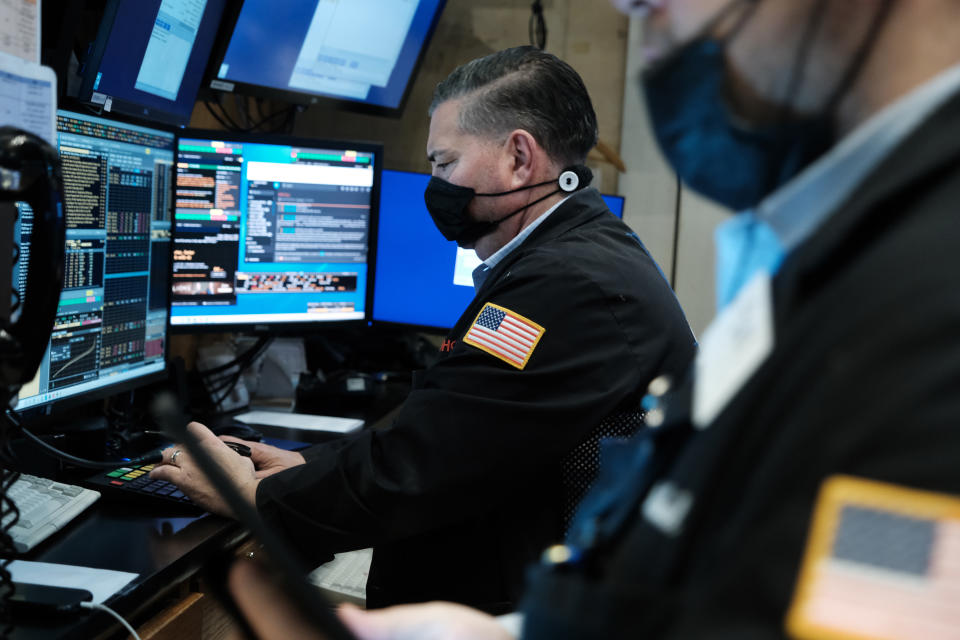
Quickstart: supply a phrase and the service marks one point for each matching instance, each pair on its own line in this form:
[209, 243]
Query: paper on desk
[20, 28]
[304, 421]
[102, 583]
[28, 97]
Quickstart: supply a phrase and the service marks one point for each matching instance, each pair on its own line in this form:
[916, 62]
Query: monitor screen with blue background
[363, 51]
[422, 279]
[270, 234]
[150, 55]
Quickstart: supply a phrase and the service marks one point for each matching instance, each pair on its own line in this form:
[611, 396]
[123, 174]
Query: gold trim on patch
[496, 354]
[837, 492]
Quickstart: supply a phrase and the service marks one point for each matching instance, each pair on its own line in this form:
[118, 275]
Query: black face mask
[448, 202]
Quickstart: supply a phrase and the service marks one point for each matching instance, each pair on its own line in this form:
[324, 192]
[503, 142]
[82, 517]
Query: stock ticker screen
[111, 322]
[270, 234]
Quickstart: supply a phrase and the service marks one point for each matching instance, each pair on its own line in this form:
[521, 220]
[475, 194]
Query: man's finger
[167, 472]
[166, 455]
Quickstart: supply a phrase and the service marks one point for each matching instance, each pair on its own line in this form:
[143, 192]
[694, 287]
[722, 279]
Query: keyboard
[45, 508]
[134, 482]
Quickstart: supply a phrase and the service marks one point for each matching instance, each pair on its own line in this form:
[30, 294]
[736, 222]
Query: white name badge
[733, 347]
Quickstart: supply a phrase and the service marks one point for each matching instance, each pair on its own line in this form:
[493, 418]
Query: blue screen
[421, 278]
[154, 56]
[363, 50]
[270, 234]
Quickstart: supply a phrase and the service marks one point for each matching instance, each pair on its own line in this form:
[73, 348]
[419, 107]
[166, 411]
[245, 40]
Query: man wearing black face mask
[804, 480]
[571, 321]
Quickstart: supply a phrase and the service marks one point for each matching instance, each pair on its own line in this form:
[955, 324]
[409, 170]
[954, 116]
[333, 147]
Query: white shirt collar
[479, 274]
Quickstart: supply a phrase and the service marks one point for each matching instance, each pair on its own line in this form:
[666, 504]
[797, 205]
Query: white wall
[662, 216]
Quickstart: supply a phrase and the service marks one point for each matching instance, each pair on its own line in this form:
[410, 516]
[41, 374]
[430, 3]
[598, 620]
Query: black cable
[260, 344]
[537, 26]
[206, 103]
[153, 457]
[227, 121]
[8, 551]
[223, 385]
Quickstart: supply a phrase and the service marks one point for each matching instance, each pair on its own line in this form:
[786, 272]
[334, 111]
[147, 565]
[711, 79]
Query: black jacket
[863, 380]
[461, 492]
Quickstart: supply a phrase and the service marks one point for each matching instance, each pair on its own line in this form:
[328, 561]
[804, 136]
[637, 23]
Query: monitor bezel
[230, 16]
[275, 328]
[52, 411]
[127, 108]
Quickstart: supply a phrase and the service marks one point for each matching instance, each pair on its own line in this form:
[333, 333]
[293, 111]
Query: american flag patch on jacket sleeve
[504, 334]
[882, 563]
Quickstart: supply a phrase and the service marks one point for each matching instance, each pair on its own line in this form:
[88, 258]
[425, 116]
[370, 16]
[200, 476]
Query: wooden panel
[181, 621]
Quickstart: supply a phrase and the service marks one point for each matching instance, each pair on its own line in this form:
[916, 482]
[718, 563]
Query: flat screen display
[271, 233]
[421, 278]
[360, 51]
[111, 325]
[150, 56]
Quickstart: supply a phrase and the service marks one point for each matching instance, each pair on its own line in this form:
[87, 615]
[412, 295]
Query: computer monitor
[362, 53]
[150, 56]
[110, 332]
[271, 233]
[422, 279]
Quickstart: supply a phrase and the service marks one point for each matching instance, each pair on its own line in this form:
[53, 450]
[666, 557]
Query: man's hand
[272, 615]
[268, 460]
[179, 468]
[430, 621]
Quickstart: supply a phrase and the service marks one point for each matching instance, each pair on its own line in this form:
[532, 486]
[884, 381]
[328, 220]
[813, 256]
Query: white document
[20, 29]
[102, 583]
[304, 421]
[28, 97]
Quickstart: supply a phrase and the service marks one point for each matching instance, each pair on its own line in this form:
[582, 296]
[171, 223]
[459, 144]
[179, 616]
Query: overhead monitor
[150, 56]
[361, 52]
[110, 331]
[271, 233]
[421, 278]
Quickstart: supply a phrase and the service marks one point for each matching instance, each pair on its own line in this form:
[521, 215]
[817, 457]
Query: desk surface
[163, 550]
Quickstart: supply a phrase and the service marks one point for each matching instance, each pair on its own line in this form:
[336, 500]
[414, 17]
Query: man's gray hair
[524, 88]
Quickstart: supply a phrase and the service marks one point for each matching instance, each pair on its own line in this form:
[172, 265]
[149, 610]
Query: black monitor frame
[42, 416]
[230, 16]
[288, 328]
[91, 64]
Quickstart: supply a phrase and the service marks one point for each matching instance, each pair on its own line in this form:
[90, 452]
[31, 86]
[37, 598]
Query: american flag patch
[504, 334]
[882, 563]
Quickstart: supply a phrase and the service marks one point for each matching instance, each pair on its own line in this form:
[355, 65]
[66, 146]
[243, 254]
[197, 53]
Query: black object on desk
[32, 600]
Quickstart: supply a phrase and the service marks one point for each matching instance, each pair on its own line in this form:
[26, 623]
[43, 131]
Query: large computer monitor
[110, 332]
[150, 56]
[271, 233]
[422, 279]
[360, 52]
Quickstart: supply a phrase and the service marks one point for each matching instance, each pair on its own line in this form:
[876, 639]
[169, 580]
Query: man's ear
[524, 156]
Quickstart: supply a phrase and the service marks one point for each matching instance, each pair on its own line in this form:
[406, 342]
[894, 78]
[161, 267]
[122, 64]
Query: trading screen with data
[270, 233]
[111, 322]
